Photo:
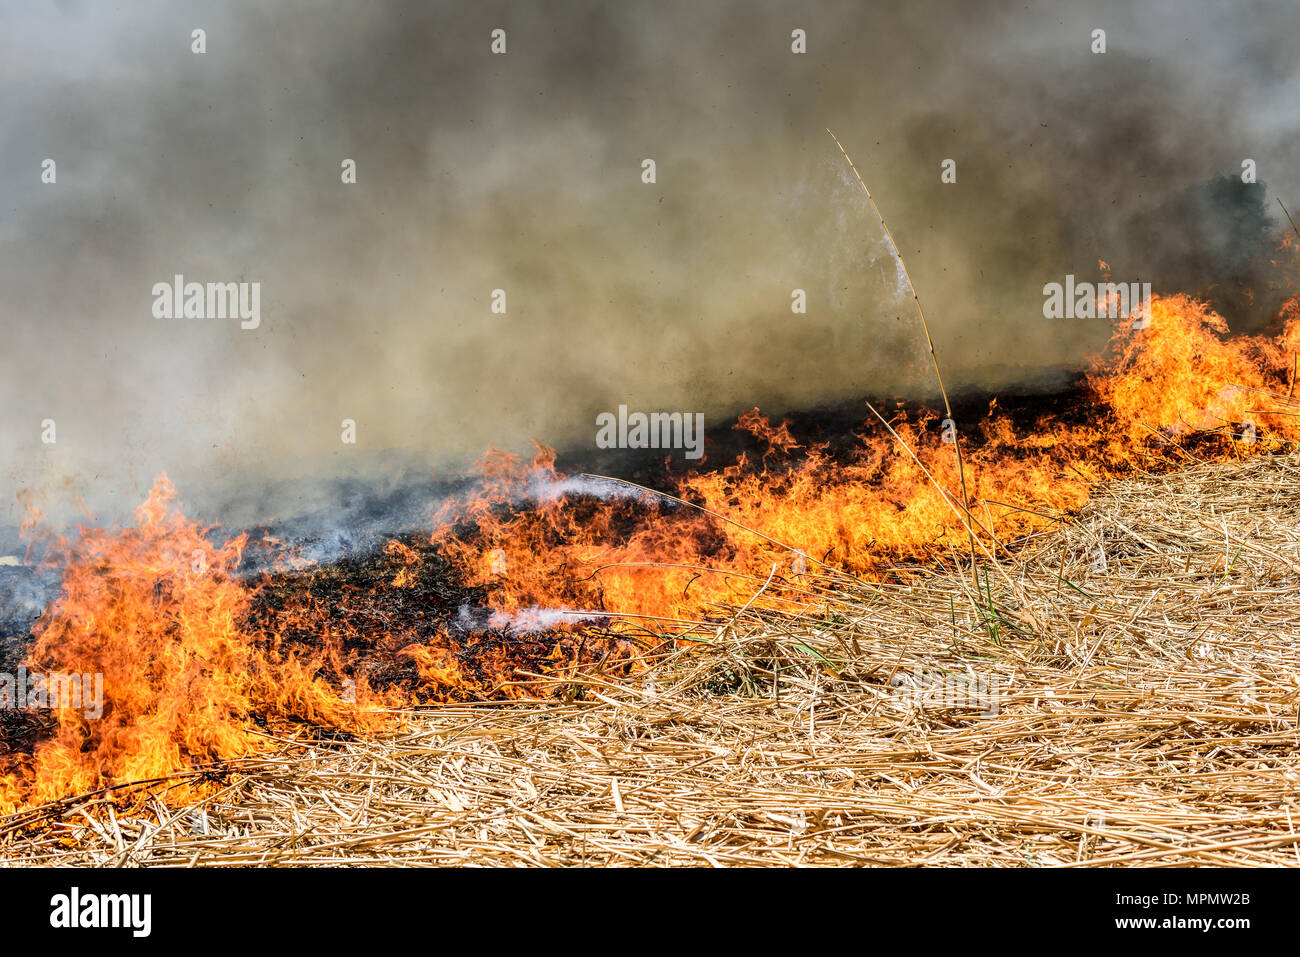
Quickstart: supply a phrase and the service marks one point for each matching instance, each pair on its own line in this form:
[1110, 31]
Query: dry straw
[1145, 663]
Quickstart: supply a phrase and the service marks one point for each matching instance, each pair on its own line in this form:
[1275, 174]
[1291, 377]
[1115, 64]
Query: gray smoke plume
[523, 172]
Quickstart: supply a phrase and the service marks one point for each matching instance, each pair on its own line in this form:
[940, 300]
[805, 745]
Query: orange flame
[157, 611]
[884, 504]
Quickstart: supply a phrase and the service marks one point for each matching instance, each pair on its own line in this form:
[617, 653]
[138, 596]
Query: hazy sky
[523, 172]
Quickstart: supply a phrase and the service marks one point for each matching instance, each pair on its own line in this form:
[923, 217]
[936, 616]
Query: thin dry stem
[929, 342]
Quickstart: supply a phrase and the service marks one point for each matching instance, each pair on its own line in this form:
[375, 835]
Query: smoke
[526, 621]
[522, 172]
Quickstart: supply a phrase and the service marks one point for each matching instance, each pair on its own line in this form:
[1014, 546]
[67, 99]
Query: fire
[1185, 376]
[891, 500]
[155, 610]
[567, 568]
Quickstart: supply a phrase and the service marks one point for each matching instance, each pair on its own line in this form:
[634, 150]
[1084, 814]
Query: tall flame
[188, 671]
[155, 610]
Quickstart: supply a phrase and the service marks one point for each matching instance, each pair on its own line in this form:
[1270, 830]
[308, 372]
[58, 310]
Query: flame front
[189, 670]
[890, 500]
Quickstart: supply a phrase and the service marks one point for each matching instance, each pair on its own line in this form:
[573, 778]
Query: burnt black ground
[353, 579]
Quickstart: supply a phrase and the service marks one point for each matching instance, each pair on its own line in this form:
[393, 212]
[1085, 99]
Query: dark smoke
[523, 172]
